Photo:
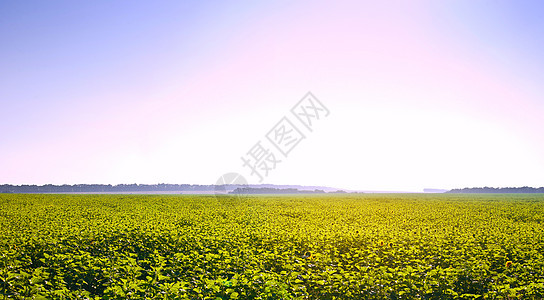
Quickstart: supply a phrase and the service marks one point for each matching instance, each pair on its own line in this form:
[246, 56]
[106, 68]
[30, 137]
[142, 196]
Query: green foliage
[272, 247]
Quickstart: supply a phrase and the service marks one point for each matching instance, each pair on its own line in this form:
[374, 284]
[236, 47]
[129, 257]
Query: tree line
[524, 189]
[103, 188]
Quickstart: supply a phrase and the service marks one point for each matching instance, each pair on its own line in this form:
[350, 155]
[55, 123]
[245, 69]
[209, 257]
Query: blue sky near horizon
[422, 95]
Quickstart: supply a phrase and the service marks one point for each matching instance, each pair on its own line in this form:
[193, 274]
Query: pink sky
[421, 94]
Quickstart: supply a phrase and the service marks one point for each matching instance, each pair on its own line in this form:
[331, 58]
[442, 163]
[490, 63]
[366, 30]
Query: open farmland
[375, 246]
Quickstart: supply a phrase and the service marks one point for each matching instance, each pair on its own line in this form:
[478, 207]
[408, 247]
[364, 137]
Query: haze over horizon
[443, 95]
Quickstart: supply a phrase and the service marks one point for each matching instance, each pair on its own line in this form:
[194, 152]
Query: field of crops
[414, 246]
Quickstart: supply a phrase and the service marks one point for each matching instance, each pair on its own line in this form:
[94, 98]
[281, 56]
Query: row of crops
[413, 246]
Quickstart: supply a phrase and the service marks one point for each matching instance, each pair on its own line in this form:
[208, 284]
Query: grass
[365, 246]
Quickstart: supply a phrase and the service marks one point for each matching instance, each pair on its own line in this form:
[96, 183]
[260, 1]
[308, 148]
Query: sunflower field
[345, 246]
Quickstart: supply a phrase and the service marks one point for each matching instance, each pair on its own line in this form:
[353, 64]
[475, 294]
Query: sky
[419, 94]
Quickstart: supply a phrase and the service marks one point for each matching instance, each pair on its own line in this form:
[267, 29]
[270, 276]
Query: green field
[409, 246]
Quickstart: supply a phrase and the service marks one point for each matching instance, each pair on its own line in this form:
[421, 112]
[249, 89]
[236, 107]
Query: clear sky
[421, 94]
